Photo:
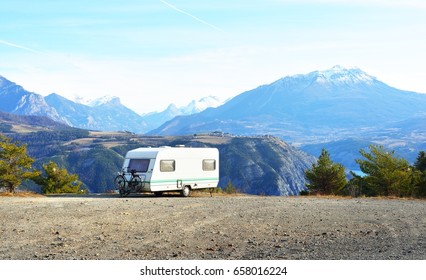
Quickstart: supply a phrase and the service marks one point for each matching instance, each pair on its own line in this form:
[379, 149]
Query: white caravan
[166, 169]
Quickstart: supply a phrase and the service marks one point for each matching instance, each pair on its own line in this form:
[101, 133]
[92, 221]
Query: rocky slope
[255, 165]
[264, 165]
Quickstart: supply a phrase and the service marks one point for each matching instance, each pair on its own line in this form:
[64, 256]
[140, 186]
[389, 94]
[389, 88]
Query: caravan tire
[185, 191]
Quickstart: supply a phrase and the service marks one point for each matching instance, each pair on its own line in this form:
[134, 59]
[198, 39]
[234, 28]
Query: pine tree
[420, 165]
[57, 180]
[387, 174]
[15, 164]
[326, 177]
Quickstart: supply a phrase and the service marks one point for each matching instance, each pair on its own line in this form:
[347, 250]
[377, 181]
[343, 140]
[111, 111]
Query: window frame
[144, 163]
[207, 164]
[170, 162]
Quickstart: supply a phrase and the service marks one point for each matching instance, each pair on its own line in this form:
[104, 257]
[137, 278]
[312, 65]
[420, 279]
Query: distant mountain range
[331, 108]
[156, 119]
[105, 114]
[308, 106]
[340, 109]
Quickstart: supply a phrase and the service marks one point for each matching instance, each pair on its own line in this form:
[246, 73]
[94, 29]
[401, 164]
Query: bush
[57, 180]
[230, 189]
[325, 177]
[15, 164]
[387, 174]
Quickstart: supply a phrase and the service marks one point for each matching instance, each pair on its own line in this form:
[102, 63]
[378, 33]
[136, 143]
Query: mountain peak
[107, 99]
[104, 100]
[197, 106]
[341, 75]
[5, 82]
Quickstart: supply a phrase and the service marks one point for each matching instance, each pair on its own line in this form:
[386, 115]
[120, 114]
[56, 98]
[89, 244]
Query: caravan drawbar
[165, 169]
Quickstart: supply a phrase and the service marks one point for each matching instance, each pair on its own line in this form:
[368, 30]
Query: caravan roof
[144, 152]
[181, 151]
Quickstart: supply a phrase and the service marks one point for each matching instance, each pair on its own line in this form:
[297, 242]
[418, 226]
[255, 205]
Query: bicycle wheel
[136, 183]
[120, 184]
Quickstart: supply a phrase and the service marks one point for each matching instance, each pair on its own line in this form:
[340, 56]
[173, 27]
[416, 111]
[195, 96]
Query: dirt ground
[107, 227]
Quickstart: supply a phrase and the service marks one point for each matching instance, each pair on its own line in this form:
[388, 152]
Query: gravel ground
[107, 227]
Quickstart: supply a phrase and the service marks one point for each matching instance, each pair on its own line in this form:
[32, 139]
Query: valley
[254, 165]
[267, 136]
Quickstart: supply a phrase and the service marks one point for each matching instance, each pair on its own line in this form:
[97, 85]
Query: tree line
[384, 174]
[16, 166]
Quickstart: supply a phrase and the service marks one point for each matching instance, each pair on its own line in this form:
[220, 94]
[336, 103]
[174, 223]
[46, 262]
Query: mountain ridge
[106, 113]
[320, 109]
[155, 119]
[301, 100]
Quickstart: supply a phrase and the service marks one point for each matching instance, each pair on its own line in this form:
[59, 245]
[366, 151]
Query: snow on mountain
[341, 75]
[308, 107]
[197, 106]
[16, 100]
[98, 101]
[104, 113]
[155, 119]
[81, 100]
[108, 99]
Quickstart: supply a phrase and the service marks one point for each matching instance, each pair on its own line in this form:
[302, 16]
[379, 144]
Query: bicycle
[124, 186]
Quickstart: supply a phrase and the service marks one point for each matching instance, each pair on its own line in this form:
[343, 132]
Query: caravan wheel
[185, 191]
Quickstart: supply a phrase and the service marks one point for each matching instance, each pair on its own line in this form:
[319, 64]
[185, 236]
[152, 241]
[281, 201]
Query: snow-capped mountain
[98, 101]
[340, 76]
[107, 114]
[16, 100]
[200, 105]
[313, 107]
[156, 119]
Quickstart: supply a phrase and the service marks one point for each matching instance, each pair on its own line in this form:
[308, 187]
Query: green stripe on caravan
[165, 169]
[183, 180]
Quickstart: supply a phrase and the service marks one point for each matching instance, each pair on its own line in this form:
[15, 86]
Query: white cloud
[13, 45]
[191, 15]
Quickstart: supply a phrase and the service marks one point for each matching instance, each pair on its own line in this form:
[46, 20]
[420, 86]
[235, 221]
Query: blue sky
[153, 52]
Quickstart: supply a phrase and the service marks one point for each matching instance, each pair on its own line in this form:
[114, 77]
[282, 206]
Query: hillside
[254, 165]
[16, 100]
[20, 123]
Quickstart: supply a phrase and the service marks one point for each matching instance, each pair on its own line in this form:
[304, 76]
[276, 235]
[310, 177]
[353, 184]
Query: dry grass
[212, 139]
[20, 194]
[22, 128]
[330, 196]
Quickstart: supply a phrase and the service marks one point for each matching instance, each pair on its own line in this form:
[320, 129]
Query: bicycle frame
[124, 186]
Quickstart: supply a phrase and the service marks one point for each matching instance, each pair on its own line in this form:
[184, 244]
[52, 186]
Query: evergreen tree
[420, 165]
[325, 177]
[57, 180]
[387, 174]
[15, 164]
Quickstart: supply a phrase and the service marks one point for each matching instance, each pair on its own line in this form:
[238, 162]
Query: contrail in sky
[190, 15]
[17, 46]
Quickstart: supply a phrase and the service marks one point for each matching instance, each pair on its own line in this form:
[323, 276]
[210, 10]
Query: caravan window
[140, 165]
[209, 164]
[167, 165]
